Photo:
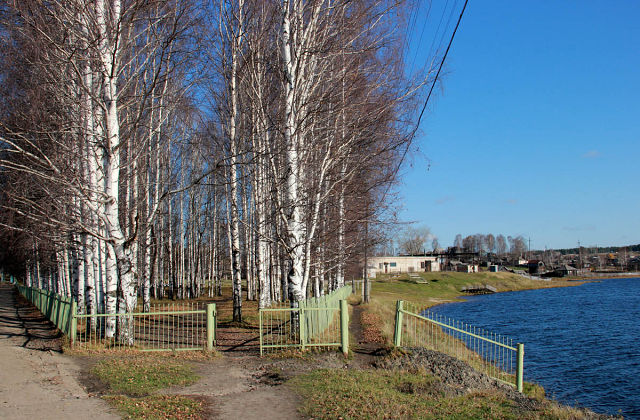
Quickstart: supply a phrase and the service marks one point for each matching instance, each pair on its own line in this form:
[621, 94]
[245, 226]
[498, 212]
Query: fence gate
[496, 355]
[305, 326]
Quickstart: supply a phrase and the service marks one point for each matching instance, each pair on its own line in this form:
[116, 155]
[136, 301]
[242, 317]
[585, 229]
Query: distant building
[467, 268]
[403, 264]
[535, 266]
[566, 270]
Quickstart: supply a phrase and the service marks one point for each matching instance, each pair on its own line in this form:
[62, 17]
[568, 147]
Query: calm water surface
[582, 344]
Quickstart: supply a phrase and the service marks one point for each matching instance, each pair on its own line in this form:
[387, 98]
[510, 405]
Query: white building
[402, 264]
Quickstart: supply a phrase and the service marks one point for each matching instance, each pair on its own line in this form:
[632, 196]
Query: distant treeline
[600, 249]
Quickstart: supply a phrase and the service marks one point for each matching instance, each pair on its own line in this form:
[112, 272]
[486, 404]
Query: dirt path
[365, 352]
[238, 386]
[242, 384]
[36, 381]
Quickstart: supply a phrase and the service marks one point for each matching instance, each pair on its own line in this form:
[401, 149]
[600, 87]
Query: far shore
[434, 288]
[604, 276]
[550, 283]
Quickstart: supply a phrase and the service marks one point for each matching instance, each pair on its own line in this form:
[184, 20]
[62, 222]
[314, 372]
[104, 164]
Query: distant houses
[535, 266]
[402, 264]
[566, 270]
[538, 264]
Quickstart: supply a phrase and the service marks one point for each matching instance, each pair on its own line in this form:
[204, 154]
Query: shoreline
[545, 284]
[605, 276]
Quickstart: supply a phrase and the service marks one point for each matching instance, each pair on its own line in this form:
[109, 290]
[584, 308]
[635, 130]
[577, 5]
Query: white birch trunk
[295, 226]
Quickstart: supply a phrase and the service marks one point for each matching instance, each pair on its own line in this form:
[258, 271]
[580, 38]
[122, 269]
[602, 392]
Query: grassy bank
[385, 394]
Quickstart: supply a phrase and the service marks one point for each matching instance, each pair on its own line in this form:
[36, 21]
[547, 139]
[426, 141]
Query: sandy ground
[36, 380]
[239, 387]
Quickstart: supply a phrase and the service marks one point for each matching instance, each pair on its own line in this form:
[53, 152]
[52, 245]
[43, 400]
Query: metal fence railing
[357, 286]
[58, 309]
[316, 322]
[7, 278]
[496, 355]
[175, 326]
[165, 327]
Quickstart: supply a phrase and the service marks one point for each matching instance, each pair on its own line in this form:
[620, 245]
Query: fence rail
[7, 278]
[316, 322]
[175, 327]
[357, 286]
[58, 309]
[496, 355]
[167, 327]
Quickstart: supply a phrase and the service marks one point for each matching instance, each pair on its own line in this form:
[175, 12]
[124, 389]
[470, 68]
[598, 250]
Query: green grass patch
[534, 391]
[158, 407]
[381, 394]
[139, 376]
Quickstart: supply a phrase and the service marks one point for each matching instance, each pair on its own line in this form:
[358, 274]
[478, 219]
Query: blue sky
[535, 130]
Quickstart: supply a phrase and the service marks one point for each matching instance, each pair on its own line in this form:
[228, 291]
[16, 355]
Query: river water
[582, 344]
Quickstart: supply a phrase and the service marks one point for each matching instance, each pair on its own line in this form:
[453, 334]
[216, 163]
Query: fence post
[261, 339]
[74, 322]
[302, 326]
[344, 327]
[397, 336]
[520, 371]
[211, 325]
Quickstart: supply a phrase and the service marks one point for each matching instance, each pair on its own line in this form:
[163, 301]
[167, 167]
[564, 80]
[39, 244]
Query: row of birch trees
[156, 148]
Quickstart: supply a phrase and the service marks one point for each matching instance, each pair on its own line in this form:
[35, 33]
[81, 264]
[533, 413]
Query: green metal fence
[496, 355]
[316, 322]
[166, 327]
[357, 286]
[7, 278]
[58, 309]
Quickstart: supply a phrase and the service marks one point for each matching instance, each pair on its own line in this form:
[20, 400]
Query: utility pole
[365, 282]
[579, 255]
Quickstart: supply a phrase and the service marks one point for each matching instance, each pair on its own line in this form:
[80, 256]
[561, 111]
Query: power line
[435, 80]
[413, 132]
[424, 25]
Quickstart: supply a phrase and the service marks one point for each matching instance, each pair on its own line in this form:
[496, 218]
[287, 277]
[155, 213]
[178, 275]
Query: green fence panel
[168, 327]
[57, 309]
[494, 354]
[316, 322]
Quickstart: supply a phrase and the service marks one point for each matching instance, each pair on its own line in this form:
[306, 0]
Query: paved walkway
[36, 380]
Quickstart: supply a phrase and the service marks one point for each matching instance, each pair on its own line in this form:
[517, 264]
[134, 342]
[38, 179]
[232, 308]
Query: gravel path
[36, 380]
